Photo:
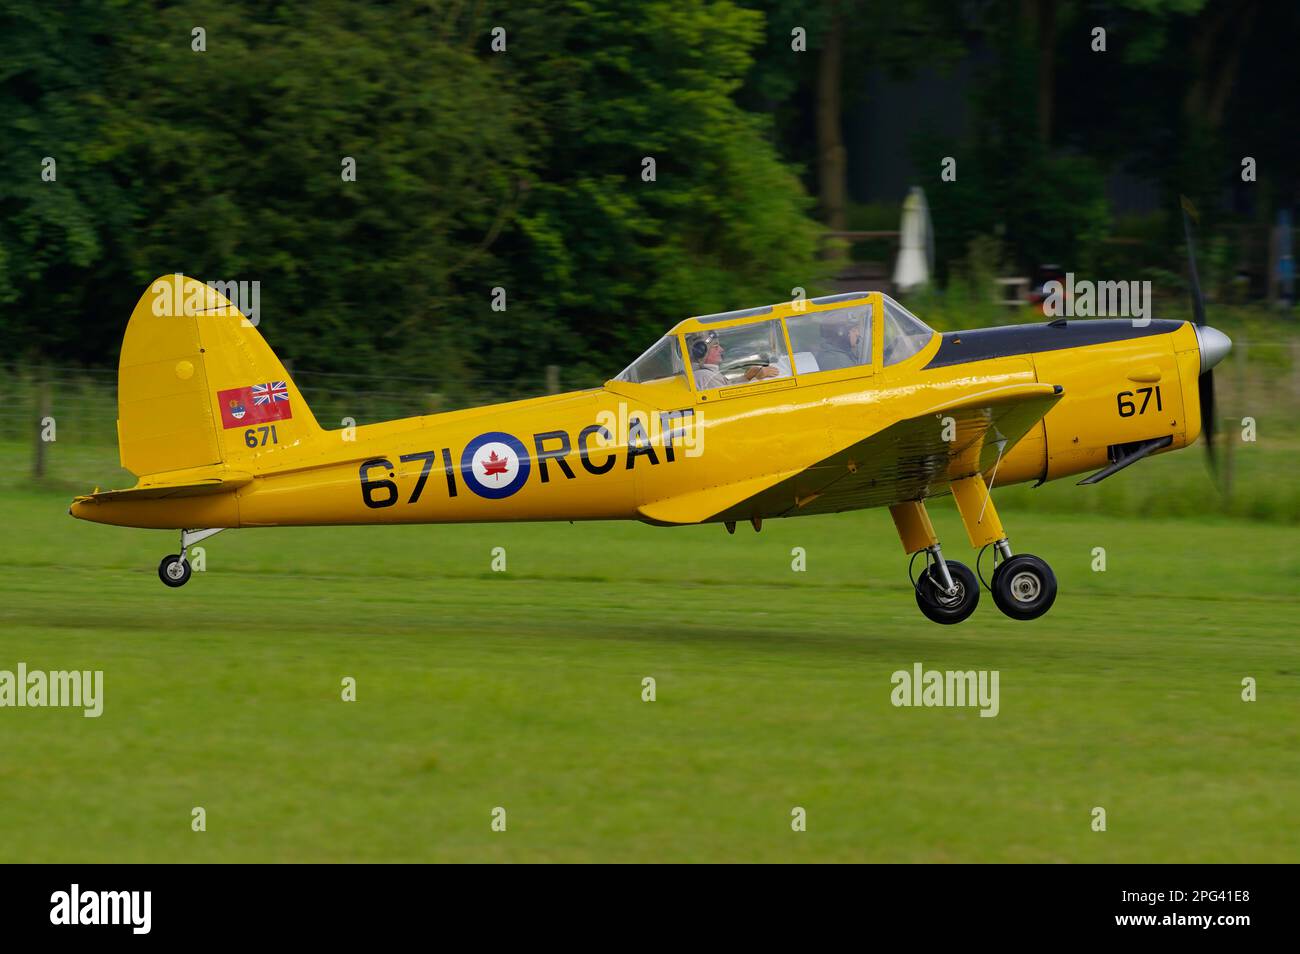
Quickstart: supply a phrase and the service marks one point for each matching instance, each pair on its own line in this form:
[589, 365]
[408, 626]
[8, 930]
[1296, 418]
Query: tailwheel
[1023, 587]
[944, 607]
[174, 570]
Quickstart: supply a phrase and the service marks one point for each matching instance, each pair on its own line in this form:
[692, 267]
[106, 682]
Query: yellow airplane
[804, 407]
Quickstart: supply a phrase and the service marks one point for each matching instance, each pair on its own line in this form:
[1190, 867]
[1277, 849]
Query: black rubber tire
[940, 608]
[1024, 587]
[168, 562]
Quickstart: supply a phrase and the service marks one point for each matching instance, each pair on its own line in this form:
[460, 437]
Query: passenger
[840, 337]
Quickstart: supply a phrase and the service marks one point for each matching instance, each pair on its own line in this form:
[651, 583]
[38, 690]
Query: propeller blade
[1198, 300]
[1209, 414]
[1208, 418]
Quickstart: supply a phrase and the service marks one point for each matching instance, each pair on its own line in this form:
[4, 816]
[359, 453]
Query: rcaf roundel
[495, 465]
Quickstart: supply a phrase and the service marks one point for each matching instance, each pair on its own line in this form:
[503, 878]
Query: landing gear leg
[946, 591]
[1023, 586]
[175, 569]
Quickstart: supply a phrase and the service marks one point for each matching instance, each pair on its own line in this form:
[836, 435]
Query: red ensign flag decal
[255, 404]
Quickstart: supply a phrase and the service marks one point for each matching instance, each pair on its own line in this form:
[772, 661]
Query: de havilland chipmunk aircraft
[806, 407]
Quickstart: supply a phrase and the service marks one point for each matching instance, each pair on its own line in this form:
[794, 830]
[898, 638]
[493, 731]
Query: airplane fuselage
[621, 451]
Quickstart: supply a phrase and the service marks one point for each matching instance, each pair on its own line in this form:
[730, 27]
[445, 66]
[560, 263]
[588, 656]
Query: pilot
[706, 357]
[840, 337]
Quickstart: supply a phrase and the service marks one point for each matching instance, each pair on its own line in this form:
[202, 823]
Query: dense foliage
[476, 168]
[505, 146]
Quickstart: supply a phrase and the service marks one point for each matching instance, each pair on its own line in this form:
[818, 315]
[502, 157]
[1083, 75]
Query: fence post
[552, 379]
[43, 408]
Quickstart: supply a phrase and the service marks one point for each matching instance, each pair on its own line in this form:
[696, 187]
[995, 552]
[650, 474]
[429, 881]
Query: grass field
[522, 689]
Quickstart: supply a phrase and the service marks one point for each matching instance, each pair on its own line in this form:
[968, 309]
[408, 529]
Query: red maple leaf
[495, 465]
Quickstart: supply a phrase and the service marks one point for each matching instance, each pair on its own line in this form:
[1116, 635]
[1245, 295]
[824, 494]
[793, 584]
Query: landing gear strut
[175, 569]
[1023, 585]
[946, 591]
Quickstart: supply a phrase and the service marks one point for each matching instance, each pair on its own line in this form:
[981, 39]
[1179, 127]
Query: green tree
[475, 168]
[59, 236]
[618, 259]
[846, 39]
[238, 157]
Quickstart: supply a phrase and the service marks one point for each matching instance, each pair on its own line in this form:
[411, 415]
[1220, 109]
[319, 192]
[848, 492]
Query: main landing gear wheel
[174, 570]
[1023, 587]
[947, 608]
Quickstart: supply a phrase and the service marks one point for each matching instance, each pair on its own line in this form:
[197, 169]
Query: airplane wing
[908, 460]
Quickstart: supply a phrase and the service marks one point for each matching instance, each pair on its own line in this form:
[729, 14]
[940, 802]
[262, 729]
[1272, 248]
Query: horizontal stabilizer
[164, 489]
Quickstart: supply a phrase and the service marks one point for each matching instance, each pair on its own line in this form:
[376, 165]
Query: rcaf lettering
[638, 443]
[673, 424]
[552, 447]
[584, 435]
[557, 455]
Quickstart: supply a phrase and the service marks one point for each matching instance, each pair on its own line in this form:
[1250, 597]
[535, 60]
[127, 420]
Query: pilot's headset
[700, 346]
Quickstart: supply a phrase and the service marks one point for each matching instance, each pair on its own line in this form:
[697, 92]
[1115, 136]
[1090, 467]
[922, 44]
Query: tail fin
[197, 386]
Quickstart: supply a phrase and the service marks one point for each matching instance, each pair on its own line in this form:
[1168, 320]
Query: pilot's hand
[765, 372]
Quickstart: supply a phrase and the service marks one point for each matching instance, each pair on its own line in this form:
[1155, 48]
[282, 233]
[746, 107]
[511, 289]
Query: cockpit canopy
[905, 334]
[755, 345]
[662, 360]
